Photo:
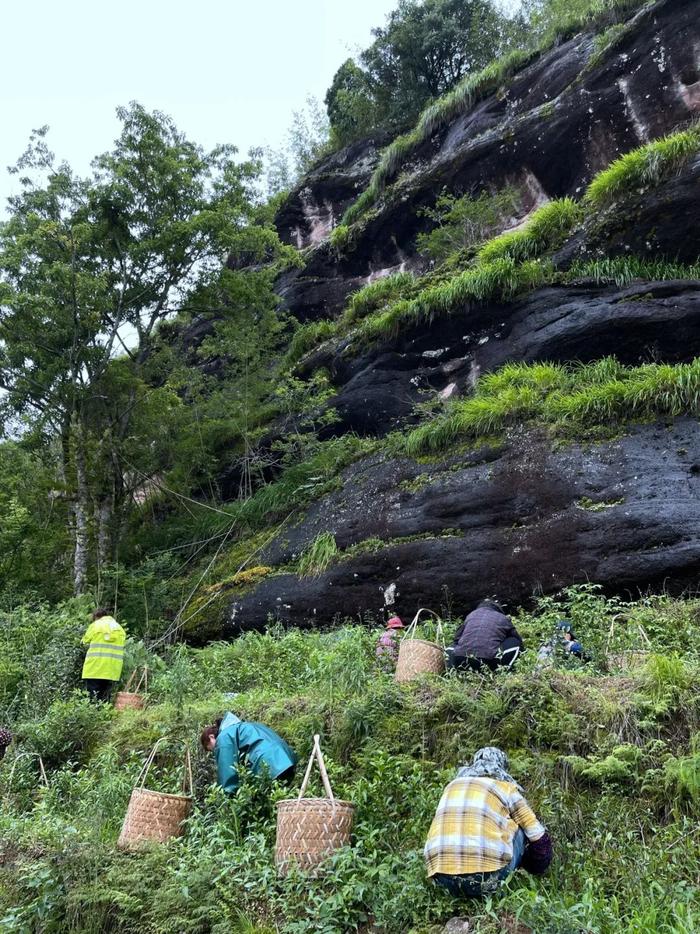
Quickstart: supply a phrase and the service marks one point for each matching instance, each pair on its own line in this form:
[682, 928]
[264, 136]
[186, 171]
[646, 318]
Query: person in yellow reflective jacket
[104, 658]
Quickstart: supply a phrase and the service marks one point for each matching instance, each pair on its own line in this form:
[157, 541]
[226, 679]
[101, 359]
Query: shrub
[462, 223]
[67, 731]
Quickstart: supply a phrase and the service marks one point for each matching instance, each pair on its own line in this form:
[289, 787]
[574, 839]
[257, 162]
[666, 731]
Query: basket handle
[318, 756]
[30, 755]
[142, 680]
[414, 623]
[187, 773]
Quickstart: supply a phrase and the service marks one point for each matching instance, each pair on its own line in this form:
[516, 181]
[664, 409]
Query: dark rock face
[527, 516]
[512, 521]
[643, 322]
[554, 126]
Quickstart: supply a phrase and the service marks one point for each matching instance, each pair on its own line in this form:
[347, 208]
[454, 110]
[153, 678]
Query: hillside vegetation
[608, 756]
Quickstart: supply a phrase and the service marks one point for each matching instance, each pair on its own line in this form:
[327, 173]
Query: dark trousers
[478, 884]
[99, 689]
[508, 652]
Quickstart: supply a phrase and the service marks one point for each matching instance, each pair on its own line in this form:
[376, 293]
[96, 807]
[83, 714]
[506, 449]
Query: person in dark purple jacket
[486, 638]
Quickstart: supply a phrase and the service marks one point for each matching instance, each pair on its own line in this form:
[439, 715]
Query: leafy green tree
[425, 49]
[352, 110]
[89, 270]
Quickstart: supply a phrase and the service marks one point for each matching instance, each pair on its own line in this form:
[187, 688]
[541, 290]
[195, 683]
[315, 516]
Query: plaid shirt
[474, 826]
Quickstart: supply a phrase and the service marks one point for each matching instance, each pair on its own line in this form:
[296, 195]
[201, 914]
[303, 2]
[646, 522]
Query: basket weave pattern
[310, 829]
[133, 699]
[419, 657]
[153, 816]
[127, 700]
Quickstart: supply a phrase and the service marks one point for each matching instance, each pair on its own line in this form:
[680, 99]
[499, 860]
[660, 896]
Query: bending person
[104, 658]
[233, 740]
[484, 829]
[487, 637]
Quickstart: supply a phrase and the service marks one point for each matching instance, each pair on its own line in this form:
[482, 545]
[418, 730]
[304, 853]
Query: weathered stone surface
[549, 130]
[644, 321]
[514, 521]
[526, 516]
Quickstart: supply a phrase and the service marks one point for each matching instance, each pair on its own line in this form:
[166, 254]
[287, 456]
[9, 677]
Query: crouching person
[484, 829]
[233, 741]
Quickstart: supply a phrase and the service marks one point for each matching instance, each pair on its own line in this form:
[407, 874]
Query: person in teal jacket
[233, 740]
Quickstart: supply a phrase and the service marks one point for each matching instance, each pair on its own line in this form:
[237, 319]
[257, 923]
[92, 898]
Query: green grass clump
[377, 294]
[436, 116]
[643, 167]
[570, 398]
[625, 269]
[318, 556]
[500, 280]
[307, 337]
[545, 231]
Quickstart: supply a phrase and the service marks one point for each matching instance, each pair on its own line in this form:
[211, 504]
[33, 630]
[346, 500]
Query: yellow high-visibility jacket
[105, 639]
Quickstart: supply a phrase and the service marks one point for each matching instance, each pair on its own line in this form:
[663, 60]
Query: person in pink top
[388, 645]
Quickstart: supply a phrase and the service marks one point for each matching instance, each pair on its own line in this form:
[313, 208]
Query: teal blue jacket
[260, 746]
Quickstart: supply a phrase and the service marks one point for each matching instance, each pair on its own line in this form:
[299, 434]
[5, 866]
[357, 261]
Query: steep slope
[574, 482]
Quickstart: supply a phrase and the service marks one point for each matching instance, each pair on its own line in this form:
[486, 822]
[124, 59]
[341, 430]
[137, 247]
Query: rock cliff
[521, 512]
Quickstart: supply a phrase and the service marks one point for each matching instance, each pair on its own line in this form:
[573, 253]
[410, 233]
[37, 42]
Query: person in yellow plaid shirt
[484, 829]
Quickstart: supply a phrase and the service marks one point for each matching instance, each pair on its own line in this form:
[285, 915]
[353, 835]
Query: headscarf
[489, 762]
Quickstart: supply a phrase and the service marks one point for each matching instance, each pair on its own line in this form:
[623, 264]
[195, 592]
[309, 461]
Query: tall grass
[625, 269]
[546, 230]
[643, 167]
[318, 555]
[307, 337]
[500, 280]
[377, 294]
[570, 398]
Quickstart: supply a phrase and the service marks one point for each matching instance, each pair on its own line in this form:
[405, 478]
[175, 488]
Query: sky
[227, 71]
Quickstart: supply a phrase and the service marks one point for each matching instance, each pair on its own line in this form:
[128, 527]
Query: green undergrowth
[608, 756]
[472, 89]
[571, 399]
[544, 232]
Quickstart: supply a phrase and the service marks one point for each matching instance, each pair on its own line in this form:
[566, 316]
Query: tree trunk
[81, 508]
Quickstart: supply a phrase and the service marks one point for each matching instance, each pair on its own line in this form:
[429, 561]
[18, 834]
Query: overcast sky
[228, 71]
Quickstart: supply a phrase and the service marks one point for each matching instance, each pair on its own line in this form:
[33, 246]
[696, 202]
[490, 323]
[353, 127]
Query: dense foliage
[607, 754]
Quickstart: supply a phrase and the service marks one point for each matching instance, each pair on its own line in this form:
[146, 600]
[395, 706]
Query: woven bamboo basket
[418, 656]
[309, 829]
[153, 816]
[133, 700]
[629, 659]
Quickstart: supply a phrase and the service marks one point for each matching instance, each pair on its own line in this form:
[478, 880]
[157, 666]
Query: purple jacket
[482, 633]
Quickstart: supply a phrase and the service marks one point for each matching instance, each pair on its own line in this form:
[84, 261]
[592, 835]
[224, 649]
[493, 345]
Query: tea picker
[233, 740]
[104, 658]
[486, 639]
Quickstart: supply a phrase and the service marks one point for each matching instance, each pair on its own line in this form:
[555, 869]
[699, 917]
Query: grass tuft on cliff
[570, 399]
[643, 167]
[475, 87]
[544, 232]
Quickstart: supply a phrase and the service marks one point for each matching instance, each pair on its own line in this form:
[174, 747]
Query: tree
[89, 269]
[426, 47]
[352, 110]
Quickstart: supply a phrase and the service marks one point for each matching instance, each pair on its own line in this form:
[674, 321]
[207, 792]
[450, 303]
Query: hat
[394, 623]
[5, 736]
